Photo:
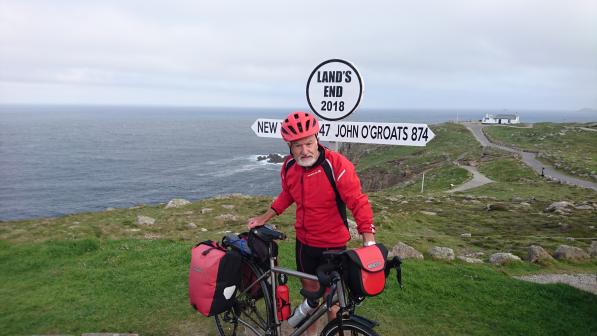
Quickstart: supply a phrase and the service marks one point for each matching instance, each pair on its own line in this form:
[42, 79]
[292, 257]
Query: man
[320, 217]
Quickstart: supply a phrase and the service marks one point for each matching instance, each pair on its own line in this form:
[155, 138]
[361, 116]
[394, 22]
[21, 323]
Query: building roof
[505, 116]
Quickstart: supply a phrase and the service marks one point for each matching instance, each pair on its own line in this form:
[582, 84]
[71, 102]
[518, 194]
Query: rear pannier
[365, 271]
[214, 277]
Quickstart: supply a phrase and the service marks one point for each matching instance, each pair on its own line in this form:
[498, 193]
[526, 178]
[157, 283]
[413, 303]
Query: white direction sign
[401, 134]
[334, 89]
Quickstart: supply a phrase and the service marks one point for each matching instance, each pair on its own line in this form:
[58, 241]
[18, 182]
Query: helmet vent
[307, 125]
[292, 129]
[300, 127]
[296, 116]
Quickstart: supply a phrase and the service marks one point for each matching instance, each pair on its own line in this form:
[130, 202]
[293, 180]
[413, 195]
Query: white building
[500, 119]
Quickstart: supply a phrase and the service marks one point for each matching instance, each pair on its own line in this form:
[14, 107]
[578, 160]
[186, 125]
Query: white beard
[306, 162]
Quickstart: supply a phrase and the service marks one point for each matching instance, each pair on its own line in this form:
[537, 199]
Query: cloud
[535, 54]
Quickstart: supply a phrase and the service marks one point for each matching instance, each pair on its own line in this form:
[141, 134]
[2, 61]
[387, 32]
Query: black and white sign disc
[334, 89]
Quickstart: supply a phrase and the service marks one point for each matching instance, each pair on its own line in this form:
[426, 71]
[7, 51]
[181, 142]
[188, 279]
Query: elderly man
[322, 183]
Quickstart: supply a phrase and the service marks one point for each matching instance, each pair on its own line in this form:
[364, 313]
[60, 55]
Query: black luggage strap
[395, 263]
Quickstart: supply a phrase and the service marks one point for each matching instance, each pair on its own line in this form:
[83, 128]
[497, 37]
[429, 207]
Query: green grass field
[103, 272]
[569, 147]
[70, 287]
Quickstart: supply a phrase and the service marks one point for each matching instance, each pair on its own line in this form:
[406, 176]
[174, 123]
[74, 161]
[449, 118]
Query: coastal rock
[441, 253]
[177, 203]
[470, 260]
[226, 217]
[404, 251]
[206, 210]
[271, 158]
[228, 206]
[145, 220]
[561, 206]
[152, 236]
[191, 226]
[570, 253]
[352, 229]
[429, 213]
[465, 235]
[496, 207]
[110, 209]
[503, 258]
[584, 207]
[593, 249]
[536, 254]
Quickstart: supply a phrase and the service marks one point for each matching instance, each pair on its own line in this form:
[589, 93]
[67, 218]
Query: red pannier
[365, 271]
[214, 277]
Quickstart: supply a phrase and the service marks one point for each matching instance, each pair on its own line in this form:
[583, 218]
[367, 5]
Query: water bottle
[283, 302]
[301, 312]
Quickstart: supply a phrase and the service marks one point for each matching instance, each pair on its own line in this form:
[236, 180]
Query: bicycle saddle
[267, 233]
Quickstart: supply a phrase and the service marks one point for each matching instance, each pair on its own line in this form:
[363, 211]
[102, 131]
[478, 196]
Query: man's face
[305, 151]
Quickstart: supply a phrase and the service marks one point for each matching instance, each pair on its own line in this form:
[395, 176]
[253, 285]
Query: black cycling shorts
[308, 258]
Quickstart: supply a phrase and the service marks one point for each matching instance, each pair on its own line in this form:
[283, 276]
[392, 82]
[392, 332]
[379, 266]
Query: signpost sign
[404, 134]
[334, 89]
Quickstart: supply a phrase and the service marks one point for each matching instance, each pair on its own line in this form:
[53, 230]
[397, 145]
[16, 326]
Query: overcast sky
[425, 54]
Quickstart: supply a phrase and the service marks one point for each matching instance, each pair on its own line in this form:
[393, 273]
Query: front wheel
[349, 328]
[252, 312]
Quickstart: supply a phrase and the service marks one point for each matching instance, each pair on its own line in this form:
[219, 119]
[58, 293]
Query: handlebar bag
[214, 277]
[364, 273]
[260, 250]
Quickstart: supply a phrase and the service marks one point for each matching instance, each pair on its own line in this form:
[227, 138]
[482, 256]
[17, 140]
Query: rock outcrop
[503, 258]
[177, 203]
[570, 253]
[441, 253]
[145, 220]
[537, 254]
[404, 251]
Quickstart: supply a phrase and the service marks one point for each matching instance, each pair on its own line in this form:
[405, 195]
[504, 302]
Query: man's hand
[368, 239]
[260, 220]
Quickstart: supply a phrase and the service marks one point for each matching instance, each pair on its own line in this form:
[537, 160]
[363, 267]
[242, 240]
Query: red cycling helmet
[299, 125]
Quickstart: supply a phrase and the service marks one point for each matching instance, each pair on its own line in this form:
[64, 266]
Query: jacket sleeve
[284, 199]
[349, 187]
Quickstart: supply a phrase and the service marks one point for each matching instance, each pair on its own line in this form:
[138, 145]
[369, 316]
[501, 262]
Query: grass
[568, 147]
[383, 166]
[103, 272]
[123, 285]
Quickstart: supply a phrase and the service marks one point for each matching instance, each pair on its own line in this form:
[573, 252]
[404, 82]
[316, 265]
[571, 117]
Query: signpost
[334, 91]
[403, 134]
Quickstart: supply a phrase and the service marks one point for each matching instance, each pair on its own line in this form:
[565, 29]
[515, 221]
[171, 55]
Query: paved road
[529, 159]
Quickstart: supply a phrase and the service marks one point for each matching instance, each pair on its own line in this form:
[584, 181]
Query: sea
[58, 160]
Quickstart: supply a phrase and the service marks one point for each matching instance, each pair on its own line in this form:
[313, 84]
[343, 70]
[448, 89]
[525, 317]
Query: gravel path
[586, 282]
[529, 159]
[477, 180]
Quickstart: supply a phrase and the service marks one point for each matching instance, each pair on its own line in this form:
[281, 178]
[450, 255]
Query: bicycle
[255, 306]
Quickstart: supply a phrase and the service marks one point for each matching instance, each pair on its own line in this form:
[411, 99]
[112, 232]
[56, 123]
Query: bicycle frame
[338, 297]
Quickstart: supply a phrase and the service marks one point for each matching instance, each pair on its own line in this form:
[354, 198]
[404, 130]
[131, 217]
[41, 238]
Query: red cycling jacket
[318, 221]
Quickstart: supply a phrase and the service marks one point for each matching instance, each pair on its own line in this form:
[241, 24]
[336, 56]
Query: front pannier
[365, 270]
[214, 277]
